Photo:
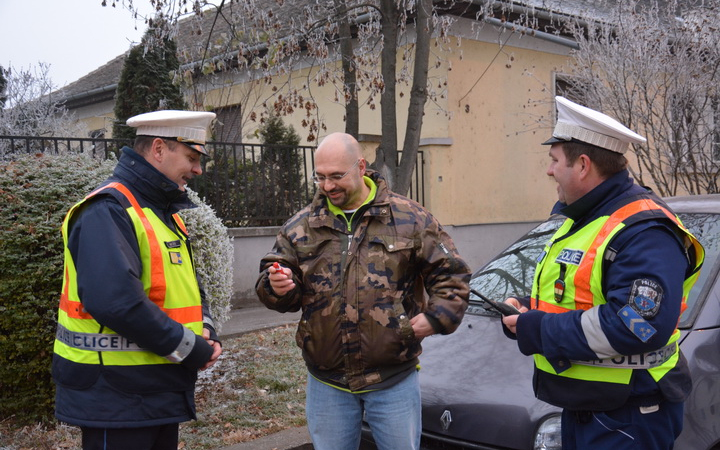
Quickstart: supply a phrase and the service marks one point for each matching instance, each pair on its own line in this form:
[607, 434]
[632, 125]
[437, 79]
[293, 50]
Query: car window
[705, 227]
[510, 274]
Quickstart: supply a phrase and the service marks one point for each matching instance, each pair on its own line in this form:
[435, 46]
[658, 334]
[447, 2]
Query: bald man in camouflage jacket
[374, 273]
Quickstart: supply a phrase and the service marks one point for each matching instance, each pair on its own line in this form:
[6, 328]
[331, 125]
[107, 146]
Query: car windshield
[510, 274]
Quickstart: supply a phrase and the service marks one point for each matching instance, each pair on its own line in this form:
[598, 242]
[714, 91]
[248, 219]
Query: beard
[337, 197]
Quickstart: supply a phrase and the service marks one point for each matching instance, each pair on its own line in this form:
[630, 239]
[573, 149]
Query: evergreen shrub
[35, 193]
[213, 255]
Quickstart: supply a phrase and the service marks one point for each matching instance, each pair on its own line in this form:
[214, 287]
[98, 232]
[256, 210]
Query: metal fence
[246, 184]
[58, 145]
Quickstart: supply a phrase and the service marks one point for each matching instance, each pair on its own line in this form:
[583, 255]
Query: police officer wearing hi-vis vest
[609, 288]
[133, 326]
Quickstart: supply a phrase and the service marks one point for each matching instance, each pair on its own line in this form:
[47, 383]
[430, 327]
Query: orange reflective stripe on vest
[74, 310]
[157, 275]
[583, 296]
[180, 223]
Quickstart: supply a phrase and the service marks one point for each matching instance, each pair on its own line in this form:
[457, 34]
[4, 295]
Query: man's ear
[157, 149]
[585, 164]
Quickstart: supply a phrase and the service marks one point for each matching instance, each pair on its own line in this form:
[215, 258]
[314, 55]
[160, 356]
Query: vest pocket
[389, 257]
[388, 337]
[315, 259]
[319, 337]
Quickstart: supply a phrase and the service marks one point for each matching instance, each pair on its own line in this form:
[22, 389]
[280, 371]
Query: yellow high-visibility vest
[168, 278]
[583, 285]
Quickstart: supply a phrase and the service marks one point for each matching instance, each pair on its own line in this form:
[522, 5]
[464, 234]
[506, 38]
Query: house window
[572, 88]
[696, 128]
[228, 126]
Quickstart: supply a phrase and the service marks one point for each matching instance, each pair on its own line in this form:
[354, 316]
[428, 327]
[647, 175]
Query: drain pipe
[532, 32]
[526, 30]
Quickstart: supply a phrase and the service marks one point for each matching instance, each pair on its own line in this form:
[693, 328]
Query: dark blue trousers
[160, 437]
[629, 427]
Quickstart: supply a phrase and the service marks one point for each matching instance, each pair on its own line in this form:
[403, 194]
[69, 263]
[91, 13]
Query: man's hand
[421, 326]
[280, 278]
[217, 349]
[511, 321]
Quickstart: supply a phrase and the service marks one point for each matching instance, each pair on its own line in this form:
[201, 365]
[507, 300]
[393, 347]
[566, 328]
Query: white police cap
[188, 127]
[577, 122]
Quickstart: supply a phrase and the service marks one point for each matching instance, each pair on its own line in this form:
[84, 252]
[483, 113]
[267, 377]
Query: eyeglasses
[319, 179]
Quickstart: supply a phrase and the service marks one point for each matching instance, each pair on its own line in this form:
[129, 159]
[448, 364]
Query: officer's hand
[281, 280]
[421, 326]
[217, 349]
[511, 321]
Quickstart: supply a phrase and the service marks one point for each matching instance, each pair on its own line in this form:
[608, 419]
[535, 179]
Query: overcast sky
[74, 37]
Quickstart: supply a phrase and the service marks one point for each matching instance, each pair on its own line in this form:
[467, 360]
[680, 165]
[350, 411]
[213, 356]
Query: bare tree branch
[654, 66]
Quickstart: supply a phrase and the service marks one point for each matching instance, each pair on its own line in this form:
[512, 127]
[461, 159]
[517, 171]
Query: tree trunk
[386, 153]
[352, 113]
[418, 97]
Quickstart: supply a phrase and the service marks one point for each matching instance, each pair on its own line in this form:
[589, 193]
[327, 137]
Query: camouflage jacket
[359, 290]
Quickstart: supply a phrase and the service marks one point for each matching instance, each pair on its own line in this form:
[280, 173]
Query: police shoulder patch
[645, 297]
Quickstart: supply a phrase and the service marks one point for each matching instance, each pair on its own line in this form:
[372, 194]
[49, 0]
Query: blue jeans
[334, 417]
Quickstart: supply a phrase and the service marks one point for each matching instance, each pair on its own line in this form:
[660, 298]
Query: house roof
[98, 85]
[191, 38]
[194, 46]
[234, 21]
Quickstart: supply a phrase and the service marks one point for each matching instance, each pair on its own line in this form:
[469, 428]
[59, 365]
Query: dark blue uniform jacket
[648, 249]
[104, 247]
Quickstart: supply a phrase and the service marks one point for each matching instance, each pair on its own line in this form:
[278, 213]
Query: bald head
[339, 146]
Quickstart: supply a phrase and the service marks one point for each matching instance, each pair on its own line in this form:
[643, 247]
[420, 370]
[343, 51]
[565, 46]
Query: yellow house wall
[97, 117]
[329, 112]
[490, 166]
[495, 170]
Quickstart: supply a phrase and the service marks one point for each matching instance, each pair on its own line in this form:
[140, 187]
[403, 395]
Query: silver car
[477, 386]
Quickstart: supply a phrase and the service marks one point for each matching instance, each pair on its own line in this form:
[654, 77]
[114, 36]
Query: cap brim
[197, 147]
[553, 140]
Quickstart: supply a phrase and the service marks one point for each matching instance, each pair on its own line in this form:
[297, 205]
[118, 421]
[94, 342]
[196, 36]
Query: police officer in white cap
[133, 326]
[601, 321]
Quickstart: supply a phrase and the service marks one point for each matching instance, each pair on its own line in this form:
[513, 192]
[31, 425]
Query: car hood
[477, 386]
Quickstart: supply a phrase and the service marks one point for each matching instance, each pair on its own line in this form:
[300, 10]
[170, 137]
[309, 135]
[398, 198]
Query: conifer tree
[282, 166]
[275, 132]
[146, 83]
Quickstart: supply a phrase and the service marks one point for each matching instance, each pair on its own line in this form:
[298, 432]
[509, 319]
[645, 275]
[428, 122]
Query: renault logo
[446, 420]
